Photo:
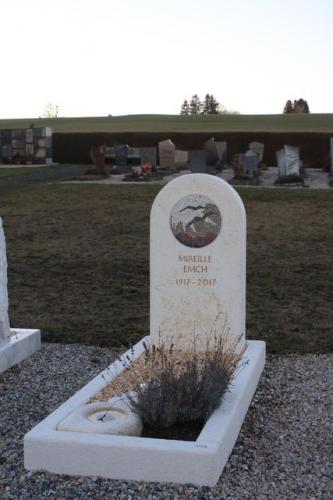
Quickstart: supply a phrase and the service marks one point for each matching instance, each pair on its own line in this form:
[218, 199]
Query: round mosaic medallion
[195, 221]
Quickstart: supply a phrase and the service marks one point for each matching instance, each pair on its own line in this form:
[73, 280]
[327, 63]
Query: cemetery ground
[78, 264]
[78, 270]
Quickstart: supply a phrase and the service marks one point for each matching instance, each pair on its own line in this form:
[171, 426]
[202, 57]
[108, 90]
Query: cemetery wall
[314, 147]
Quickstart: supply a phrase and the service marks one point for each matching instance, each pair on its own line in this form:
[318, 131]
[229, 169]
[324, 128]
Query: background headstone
[181, 156]
[166, 151]
[211, 152]
[4, 320]
[121, 154]
[331, 154]
[197, 261]
[292, 160]
[197, 161]
[281, 162]
[148, 155]
[258, 147]
[250, 164]
[237, 164]
[221, 148]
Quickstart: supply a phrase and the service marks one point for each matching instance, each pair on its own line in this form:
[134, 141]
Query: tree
[213, 106]
[209, 106]
[298, 106]
[195, 105]
[185, 109]
[288, 108]
[50, 111]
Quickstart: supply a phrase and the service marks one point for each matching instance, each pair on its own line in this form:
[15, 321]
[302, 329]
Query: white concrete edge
[21, 344]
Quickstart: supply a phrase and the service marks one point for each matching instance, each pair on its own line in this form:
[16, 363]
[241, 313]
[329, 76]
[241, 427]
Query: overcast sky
[100, 57]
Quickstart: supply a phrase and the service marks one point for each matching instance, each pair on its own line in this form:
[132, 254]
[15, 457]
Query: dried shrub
[180, 386]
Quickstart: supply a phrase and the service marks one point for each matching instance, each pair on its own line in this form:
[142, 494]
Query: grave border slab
[200, 462]
[21, 344]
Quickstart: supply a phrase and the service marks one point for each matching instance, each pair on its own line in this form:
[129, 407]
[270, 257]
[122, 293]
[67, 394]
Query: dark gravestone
[237, 165]
[331, 154]
[197, 160]
[250, 164]
[29, 135]
[121, 155]
[148, 155]
[221, 148]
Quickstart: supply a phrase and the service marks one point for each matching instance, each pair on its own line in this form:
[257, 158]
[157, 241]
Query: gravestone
[258, 148]
[211, 152]
[221, 147]
[281, 162]
[237, 165]
[15, 344]
[166, 151]
[148, 155]
[198, 261]
[197, 160]
[292, 160]
[250, 164]
[331, 154]
[4, 320]
[121, 155]
[181, 156]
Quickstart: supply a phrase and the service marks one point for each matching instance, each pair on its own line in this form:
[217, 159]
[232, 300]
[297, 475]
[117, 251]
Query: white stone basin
[112, 417]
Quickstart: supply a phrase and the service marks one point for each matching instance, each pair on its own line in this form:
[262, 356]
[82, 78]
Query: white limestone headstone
[292, 160]
[281, 161]
[4, 320]
[197, 261]
[258, 148]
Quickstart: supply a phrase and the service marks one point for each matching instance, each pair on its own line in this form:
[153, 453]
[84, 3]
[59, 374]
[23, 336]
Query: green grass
[174, 123]
[79, 264]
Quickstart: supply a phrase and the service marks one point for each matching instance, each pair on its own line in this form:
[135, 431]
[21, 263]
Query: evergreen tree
[288, 108]
[195, 105]
[185, 109]
[213, 106]
[306, 107]
[205, 106]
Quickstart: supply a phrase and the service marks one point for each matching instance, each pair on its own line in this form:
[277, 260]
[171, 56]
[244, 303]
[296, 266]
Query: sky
[119, 57]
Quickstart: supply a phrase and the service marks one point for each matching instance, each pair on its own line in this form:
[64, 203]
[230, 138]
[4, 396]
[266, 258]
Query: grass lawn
[298, 122]
[79, 264]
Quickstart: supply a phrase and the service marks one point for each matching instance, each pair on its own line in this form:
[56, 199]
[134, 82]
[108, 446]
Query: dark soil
[188, 431]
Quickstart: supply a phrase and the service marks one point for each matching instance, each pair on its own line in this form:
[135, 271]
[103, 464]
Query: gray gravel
[283, 451]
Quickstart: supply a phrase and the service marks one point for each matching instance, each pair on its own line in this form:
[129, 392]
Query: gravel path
[283, 452]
